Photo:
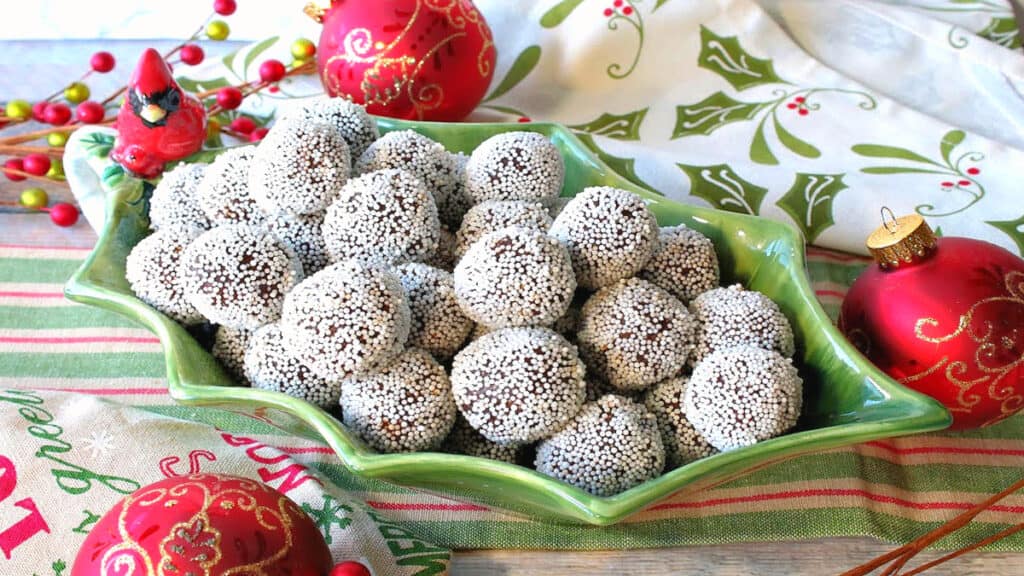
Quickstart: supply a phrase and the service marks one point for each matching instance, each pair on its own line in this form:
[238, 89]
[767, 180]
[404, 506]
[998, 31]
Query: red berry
[90, 112]
[791, 106]
[273, 89]
[973, 171]
[617, 3]
[349, 568]
[947, 184]
[271, 70]
[803, 112]
[36, 164]
[192, 54]
[627, 10]
[258, 134]
[102, 62]
[800, 99]
[57, 114]
[229, 98]
[523, 119]
[39, 111]
[964, 182]
[63, 214]
[224, 7]
[243, 125]
[608, 11]
[14, 164]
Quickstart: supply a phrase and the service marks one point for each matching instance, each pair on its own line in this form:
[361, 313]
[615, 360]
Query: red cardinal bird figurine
[158, 122]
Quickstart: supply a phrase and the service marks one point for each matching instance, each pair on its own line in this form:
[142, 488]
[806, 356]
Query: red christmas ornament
[158, 122]
[943, 316]
[412, 59]
[204, 524]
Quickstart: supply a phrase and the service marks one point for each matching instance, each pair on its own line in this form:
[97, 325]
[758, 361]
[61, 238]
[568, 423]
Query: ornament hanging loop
[892, 224]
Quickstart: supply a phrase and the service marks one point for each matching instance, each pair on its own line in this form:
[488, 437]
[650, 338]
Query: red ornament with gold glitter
[204, 524]
[944, 316]
[158, 122]
[412, 59]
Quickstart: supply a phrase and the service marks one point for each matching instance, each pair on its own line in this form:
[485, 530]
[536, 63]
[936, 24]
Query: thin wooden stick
[907, 551]
[24, 174]
[16, 149]
[979, 544]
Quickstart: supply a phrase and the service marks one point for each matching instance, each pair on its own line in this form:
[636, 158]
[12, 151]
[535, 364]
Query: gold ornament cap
[901, 241]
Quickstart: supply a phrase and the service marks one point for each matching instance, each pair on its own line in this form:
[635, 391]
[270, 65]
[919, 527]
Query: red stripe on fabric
[305, 450]
[109, 391]
[946, 450]
[79, 340]
[31, 295]
[815, 493]
[28, 247]
[832, 293]
[427, 507]
[837, 256]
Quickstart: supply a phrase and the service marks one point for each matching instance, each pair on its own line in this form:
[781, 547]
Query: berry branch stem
[18, 149]
[24, 174]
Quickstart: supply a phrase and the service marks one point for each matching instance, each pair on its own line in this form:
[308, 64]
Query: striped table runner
[892, 489]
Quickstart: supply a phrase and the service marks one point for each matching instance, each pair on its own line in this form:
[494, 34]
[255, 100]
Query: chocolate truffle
[438, 325]
[684, 263]
[515, 166]
[175, 201]
[152, 269]
[733, 316]
[683, 444]
[269, 366]
[494, 215]
[224, 190]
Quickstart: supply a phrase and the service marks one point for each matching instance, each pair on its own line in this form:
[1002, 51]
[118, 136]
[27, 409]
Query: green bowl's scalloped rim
[916, 413]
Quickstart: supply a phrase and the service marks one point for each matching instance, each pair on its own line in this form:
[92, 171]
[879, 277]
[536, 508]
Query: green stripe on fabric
[776, 526]
[230, 422]
[837, 272]
[104, 365]
[919, 478]
[37, 270]
[343, 478]
[61, 317]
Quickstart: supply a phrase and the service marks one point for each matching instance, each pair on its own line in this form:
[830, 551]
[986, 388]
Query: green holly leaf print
[521, 68]
[619, 126]
[721, 187]
[712, 113]
[254, 53]
[880, 151]
[809, 202]
[760, 151]
[725, 57]
[658, 4]
[558, 13]
[1002, 31]
[794, 143]
[1014, 229]
[951, 140]
[623, 166]
[98, 144]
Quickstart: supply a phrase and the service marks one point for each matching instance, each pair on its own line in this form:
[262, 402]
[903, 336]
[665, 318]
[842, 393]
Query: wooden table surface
[814, 557]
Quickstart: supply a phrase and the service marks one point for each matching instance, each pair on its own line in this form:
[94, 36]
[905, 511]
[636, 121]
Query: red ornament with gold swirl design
[946, 318]
[411, 59]
[204, 524]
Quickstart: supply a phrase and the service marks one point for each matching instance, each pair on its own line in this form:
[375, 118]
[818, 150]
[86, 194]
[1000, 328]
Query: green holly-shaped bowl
[846, 399]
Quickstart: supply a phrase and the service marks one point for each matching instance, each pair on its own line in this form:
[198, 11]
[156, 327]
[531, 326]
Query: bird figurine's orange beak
[152, 113]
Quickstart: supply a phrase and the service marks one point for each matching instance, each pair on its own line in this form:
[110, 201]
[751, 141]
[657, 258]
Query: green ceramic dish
[847, 400]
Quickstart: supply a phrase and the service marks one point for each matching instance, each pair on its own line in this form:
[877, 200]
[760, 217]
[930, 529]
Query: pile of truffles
[437, 301]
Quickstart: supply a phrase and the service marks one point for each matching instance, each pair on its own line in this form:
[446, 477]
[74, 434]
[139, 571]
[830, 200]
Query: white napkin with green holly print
[739, 105]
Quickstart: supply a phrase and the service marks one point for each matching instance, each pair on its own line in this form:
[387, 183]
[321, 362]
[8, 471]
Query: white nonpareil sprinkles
[494, 215]
[633, 334]
[350, 120]
[610, 235]
[612, 445]
[464, 439]
[404, 407]
[299, 167]
[224, 190]
[386, 216]
[683, 444]
[684, 263]
[349, 318]
[733, 316]
[229, 346]
[301, 233]
[515, 277]
[153, 271]
[175, 201]
[743, 395]
[269, 366]
[518, 385]
[417, 154]
[515, 166]
[438, 325]
[238, 275]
